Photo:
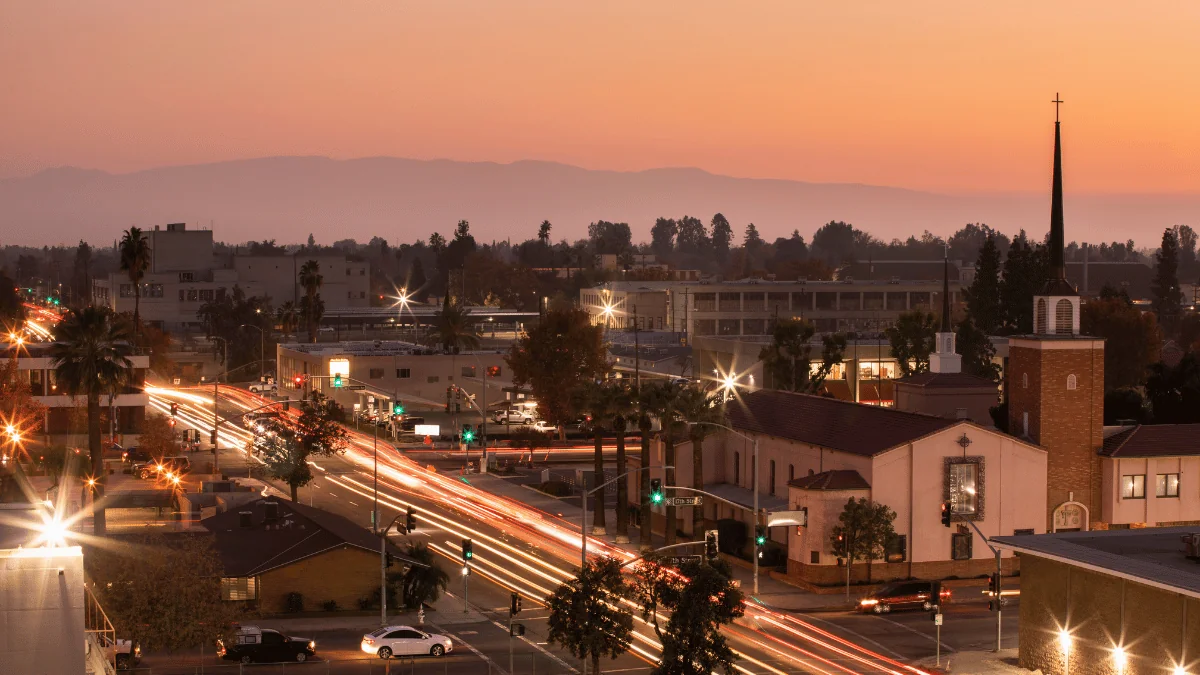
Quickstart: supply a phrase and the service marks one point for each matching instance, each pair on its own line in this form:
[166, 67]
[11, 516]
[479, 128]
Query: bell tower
[1055, 383]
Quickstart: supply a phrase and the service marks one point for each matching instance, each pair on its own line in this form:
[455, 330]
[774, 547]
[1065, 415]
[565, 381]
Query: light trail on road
[402, 479]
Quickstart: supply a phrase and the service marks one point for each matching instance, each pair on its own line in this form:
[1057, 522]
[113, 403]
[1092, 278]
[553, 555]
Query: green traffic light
[656, 497]
[760, 540]
[337, 380]
[468, 555]
[468, 436]
[397, 409]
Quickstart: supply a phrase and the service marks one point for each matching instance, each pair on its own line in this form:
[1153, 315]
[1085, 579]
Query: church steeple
[1056, 308]
[1058, 268]
[945, 358]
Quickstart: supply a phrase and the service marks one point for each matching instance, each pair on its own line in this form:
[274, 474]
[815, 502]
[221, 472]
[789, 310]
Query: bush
[556, 488]
[364, 604]
[329, 606]
[293, 602]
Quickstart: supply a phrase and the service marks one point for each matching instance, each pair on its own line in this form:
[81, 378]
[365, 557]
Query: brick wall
[342, 574]
[1068, 423]
[1099, 611]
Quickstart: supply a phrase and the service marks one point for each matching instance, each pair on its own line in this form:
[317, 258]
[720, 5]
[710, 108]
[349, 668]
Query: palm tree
[287, 316]
[422, 585]
[313, 307]
[619, 408]
[452, 328]
[662, 401]
[604, 402]
[91, 358]
[700, 410]
[647, 399]
[135, 258]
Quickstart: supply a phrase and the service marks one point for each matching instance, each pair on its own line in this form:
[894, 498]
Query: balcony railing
[101, 636]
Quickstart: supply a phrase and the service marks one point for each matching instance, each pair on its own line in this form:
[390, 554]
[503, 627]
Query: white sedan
[405, 641]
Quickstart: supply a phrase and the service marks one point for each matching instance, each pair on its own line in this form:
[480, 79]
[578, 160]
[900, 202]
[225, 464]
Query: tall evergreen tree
[1168, 298]
[417, 281]
[662, 236]
[983, 295]
[722, 237]
[1025, 272]
[81, 276]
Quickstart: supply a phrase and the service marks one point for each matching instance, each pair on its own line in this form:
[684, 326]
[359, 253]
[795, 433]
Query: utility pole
[216, 437]
[637, 351]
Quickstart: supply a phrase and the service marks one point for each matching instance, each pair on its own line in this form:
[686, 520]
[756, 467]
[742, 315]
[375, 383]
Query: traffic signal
[449, 393]
[389, 559]
[297, 381]
[468, 434]
[516, 630]
[287, 405]
[514, 606]
[656, 491]
[760, 535]
[710, 544]
[410, 520]
[174, 409]
[946, 514]
[171, 422]
[212, 437]
[994, 590]
[337, 381]
[397, 408]
[467, 553]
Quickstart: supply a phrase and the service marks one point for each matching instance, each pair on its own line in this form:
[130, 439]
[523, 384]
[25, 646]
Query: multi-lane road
[520, 548]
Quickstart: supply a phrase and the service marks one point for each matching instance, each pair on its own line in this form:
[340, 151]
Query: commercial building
[381, 371]
[1150, 476]
[185, 272]
[746, 307]
[1109, 603]
[121, 414]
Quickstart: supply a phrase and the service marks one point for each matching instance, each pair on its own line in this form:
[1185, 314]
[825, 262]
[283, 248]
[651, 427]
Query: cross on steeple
[1056, 103]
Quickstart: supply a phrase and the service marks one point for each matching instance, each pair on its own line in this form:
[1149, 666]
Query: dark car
[905, 595]
[252, 644]
[135, 455]
[167, 465]
[409, 424]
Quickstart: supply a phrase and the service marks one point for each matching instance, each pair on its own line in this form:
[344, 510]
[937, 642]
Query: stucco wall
[1152, 510]
[343, 574]
[41, 611]
[1100, 611]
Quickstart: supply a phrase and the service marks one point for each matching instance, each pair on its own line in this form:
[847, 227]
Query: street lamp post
[755, 483]
[216, 438]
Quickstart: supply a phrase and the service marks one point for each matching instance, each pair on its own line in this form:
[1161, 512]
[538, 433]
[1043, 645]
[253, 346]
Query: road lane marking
[836, 626]
[475, 651]
[917, 632]
[535, 645]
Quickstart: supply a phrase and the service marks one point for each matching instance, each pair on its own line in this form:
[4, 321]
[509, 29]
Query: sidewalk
[979, 663]
[446, 611]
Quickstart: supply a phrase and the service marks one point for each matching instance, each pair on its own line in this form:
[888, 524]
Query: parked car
[512, 416]
[409, 424]
[135, 455]
[173, 465]
[405, 641]
[264, 388]
[252, 644]
[905, 595]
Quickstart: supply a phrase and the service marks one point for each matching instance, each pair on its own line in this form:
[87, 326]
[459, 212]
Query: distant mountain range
[286, 198]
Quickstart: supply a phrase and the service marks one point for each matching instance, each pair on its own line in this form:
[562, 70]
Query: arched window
[811, 472]
[1070, 383]
[1024, 380]
[1041, 321]
[1064, 316]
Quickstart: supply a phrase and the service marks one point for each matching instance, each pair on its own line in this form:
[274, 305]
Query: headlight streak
[399, 472]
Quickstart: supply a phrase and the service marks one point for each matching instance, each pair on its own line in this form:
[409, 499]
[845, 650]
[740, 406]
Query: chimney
[245, 519]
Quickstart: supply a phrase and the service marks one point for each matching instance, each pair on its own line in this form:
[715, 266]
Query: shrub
[329, 606]
[731, 536]
[293, 602]
[556, 488]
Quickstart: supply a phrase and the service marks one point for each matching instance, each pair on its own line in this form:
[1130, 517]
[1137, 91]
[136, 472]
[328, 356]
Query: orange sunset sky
[941, 96]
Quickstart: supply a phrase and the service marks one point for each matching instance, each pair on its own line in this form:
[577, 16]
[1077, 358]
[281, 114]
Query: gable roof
[827, 422]
[1154, 440]
[930, 380]
[297, 533]
[837, 479]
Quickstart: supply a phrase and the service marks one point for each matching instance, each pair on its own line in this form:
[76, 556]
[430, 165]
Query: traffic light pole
[755, 488]
[999, 575]
[583, 516]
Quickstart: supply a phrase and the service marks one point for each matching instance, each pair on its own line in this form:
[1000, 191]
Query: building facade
[1150, 476]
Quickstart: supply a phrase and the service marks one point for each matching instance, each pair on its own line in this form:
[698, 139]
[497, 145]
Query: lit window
[1133, 487]
[1166, 485]
[964, 488]
[239, 588]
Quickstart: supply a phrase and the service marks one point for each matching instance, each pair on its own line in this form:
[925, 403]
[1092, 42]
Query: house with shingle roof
[1149, 476]
[816, 452]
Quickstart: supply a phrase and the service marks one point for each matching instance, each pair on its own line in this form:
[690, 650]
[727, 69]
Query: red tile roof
[1154, 440]
[830, 423]
[840, 479]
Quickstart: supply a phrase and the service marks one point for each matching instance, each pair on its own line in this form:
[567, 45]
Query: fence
[523, 664]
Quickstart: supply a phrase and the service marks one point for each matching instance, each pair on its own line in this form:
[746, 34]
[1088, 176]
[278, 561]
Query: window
[1133, 487]
[1022, 532]
[193, 295]
[753, 302]
[1041, 318]
[963, 478]
[1024, 380]
[181, 295]
[896, 550]
[1063, 317]
[1166, 485]
[704, 302]
[705, 327]
[431, 379]
[754, 326]
[375, 373]
[125, 291]
[960, 546]
[728, 327]
[1071, 383]
[770, 480]
[239, 588]
[815, 557]
[187, 277]
[870, 370]
[154, 290]
[730, 302]
[493, 371]
[403, 373]
[468, 371]
[1025, 423]
[206, 295]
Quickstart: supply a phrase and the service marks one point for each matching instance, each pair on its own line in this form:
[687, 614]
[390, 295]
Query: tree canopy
[788, 360]
[913, 338]
[555, 358]
[863, 531]
[586, 615]
[1132, 339]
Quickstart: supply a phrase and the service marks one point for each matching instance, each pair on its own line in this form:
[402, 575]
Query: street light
[1064, 642]
[755, 488]
[262, 342]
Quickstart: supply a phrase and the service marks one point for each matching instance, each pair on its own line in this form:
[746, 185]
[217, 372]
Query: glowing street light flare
[1120, 658]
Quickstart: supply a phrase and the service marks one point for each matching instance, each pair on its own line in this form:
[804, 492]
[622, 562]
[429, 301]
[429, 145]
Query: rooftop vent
[271, 511]
[245, 519]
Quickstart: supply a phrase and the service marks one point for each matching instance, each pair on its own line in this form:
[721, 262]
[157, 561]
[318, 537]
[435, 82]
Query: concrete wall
[1151, 511]
[41, 611]
[947, 402]
[344, 575]
[1099, 611]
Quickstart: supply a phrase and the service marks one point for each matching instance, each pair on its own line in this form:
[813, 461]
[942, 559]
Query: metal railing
[523, 664]
[100, 634]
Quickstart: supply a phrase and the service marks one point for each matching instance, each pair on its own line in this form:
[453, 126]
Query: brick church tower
[1056, 385]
